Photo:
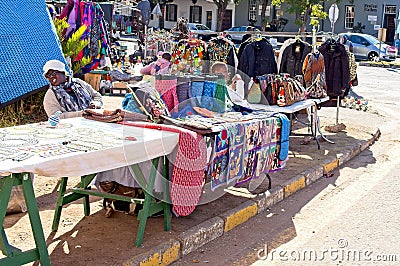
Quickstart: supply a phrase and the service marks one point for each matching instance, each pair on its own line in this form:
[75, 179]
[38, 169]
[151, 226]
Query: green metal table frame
[150, 204]
[14, 255]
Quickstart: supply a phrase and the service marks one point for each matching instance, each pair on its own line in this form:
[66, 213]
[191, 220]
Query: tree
[264, 5]
[221, 5]
[304, 10]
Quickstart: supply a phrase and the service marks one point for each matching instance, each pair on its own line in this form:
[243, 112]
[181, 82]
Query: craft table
[93, 147]
[298, 106]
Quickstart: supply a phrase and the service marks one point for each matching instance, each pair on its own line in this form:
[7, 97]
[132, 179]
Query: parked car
[201, 31]
[367, 47]
[236, 33]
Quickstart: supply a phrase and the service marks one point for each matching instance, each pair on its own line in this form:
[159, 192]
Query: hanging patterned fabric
[314, 75]
[220, 49]
[187, 56]
[91, 15]
[219, 165]
[235, 169]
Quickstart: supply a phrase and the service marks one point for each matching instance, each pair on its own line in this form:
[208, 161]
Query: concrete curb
[215, 227]
[201, 234]
[163, 254]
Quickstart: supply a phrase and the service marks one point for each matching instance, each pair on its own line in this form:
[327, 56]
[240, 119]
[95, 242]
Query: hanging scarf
[67, 101]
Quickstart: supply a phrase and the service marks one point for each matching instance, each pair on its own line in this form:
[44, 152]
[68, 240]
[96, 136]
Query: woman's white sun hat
[54, 65]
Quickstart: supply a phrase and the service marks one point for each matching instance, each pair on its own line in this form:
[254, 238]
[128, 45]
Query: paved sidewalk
[96, 240]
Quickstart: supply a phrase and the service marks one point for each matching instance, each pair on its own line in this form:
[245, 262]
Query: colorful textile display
[188, 172]
[166, 86]
[236, 164]
[219, 165]
[91, 15]
[196, 90]
[221, 49]
[160, 40]
[187, 56]
[261, 147]
[210, 86]
[182, 88]
[314, 75]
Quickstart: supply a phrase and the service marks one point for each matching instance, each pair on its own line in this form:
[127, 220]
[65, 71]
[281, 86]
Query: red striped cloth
[188, 171]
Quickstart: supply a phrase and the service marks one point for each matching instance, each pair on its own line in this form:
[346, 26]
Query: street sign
[333, 13]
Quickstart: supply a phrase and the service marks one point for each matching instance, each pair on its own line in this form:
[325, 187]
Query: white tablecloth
[117, 151]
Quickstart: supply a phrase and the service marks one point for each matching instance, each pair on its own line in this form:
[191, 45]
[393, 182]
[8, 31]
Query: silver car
[367, 47]
[236, 33]
[201, 31]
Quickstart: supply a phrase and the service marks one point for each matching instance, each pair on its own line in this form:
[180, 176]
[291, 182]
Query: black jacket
[292, 62]
[258, 58]
[337, 72]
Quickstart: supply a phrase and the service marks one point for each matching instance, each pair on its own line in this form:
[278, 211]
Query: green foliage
[317, 13]
[304, 9]
[60, 25]
[359, 28]
[72, 46]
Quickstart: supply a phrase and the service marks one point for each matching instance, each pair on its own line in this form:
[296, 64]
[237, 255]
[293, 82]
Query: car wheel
[372, 56]
[229, 37]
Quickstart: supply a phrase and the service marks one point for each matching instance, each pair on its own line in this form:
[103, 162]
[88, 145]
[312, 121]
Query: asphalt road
[351, 218]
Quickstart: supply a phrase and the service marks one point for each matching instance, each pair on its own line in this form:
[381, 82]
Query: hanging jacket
[337, 71]
[258, 58]
[314, 66]
[292, 62]
[223, 50]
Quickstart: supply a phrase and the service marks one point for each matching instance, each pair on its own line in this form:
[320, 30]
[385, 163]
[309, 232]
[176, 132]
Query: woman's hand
[234, 79]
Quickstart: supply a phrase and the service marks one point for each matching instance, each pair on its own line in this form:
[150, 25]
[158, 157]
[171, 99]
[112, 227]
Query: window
[349, 19]
[252, 11]
[390, 9]
[171, 13]
[195, 14]
[358, 39]
[209, 19]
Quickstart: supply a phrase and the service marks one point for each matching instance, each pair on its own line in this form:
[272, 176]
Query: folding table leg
[5, 188]
[166, 198]
[59, 204]
[34, 218]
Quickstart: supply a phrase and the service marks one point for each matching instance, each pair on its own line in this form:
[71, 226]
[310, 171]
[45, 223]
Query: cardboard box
[93, 80]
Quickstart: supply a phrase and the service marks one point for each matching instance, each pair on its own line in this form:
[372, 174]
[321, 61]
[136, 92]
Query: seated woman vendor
[71, 96]
[236, 85]
[66, 94]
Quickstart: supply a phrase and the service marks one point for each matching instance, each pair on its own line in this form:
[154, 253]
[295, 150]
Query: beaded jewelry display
[61, 125]
[17, 141]
[84, 146]
[20, 130]
[22, 156]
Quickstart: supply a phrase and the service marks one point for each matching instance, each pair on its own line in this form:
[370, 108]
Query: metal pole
[381, 29]
[337, 110]
[333, 21]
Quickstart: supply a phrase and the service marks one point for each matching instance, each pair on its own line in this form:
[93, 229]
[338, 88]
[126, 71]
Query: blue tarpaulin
[28, 40]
